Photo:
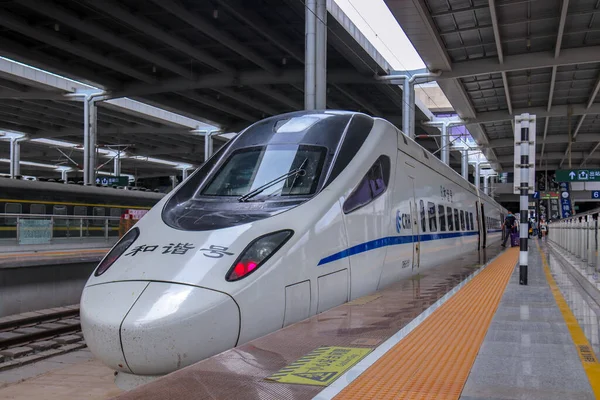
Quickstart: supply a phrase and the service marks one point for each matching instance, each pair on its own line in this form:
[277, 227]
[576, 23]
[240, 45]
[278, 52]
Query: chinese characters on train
[180, 249]
[446, 194]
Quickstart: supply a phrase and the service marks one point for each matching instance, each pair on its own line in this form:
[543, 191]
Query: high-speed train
[297, 214]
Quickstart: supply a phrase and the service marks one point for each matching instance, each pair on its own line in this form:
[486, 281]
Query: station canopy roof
[225, 63]
[501, 58]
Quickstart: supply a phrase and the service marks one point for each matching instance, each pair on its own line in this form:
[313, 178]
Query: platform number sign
[596, 194]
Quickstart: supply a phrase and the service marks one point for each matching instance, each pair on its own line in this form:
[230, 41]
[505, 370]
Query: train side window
[462, 220]
[467, 221]
[442, 215]
[37, 209]
[80, 210]
[423, 223]
[456, 220]
[12, 208]
[115, 212]
[471, 218]
[450, 221]
[372, 185]
[59, 210]
[432, 217]
[98, 212]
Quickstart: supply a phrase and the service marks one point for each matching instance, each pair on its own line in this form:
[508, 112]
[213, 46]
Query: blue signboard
[112, 180]
[596, 194]
[565, 200]
[536, 195]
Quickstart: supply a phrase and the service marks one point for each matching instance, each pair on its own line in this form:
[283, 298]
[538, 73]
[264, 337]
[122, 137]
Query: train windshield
[261, 173]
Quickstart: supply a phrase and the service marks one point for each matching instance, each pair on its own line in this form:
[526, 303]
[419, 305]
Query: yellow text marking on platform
[321, 366]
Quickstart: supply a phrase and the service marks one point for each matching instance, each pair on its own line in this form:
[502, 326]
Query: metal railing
[578, 236]
[45, 228]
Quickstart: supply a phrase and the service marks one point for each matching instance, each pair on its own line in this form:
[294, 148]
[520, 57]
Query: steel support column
[184, 174]
[208, 145]
[117, 165]
[321, 56]
[15, 158]
[445, 144]
[464, 164]
[310, 54]
[64, 175]
[486, 185]
[477, 175]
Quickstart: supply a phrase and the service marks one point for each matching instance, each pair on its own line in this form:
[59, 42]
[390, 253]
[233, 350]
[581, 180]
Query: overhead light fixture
[216, 13]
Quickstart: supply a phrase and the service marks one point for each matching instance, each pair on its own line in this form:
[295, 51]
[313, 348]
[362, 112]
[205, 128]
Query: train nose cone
[171, 326]
[102, 309]
[166, 327]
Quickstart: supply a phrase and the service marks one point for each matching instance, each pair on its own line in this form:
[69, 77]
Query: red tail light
[116, 252]
[257, 252]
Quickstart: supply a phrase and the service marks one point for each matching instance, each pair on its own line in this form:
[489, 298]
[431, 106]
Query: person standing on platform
[507, 226]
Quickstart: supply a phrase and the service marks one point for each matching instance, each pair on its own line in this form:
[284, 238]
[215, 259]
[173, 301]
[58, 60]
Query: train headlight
[117, 251]
[257, 252]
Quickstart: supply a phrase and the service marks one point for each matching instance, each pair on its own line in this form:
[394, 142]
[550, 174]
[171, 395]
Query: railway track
[30, 337]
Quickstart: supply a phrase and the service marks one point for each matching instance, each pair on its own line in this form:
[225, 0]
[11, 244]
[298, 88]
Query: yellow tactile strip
[434, 360]
[589, 361]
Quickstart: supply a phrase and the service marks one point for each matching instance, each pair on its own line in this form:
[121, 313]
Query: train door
[414, 216]
[483, 229]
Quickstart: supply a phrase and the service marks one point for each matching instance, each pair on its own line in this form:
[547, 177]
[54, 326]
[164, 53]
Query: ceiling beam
[249, 101]
[590, 154]
[358, 99]
[280, 97]
[262, 27]
[594, 93]
[89, 27]
[217, 104]
[32, 95]
[539, 112]
[570, 143]
[534, 60]
[498, 40]
[15, 23]
[561, 27]
[550, 139]
[143, 24]
[217, 34]
[243, 78]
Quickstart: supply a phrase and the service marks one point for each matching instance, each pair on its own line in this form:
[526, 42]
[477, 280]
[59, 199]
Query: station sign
[578, 175]
[545, 195]
[112, 180]
[596, 194]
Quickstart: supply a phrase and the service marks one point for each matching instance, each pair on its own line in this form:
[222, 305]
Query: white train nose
[166, 327]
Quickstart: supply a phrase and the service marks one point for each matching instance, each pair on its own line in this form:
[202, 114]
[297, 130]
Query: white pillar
[15, 158]
[321, 56]
[406, 106]
[310, 54]
[445, 144]
[64, 175]
[486, 187]
[89, 141]
[184, 174]
[477, 175]
[117, 166]
[173, 181]
[207, 145]
[464, 164]
[411, 109]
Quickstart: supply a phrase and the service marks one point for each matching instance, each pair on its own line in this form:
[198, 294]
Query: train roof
[27, 185]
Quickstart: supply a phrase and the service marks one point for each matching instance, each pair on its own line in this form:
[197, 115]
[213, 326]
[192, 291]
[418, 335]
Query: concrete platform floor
[528, 351]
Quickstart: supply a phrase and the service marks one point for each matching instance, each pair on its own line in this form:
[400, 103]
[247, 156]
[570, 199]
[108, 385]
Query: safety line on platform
[589, 361]
[369, 370]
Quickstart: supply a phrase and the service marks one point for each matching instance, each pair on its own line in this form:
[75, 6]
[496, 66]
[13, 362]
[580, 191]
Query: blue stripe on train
[391, 241]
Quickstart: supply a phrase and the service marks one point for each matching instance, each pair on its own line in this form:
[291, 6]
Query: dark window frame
[442, 217]
[369, 181]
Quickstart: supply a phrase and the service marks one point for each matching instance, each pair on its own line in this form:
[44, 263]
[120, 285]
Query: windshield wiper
[297, 172]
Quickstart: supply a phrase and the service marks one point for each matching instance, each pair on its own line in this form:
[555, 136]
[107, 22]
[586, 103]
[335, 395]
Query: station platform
[465, 331]
[33, 280]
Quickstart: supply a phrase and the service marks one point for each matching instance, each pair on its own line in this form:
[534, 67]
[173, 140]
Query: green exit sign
[578, 175]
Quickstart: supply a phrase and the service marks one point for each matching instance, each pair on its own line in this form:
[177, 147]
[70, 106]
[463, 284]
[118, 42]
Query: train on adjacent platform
[297, 214]
[68, 202]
